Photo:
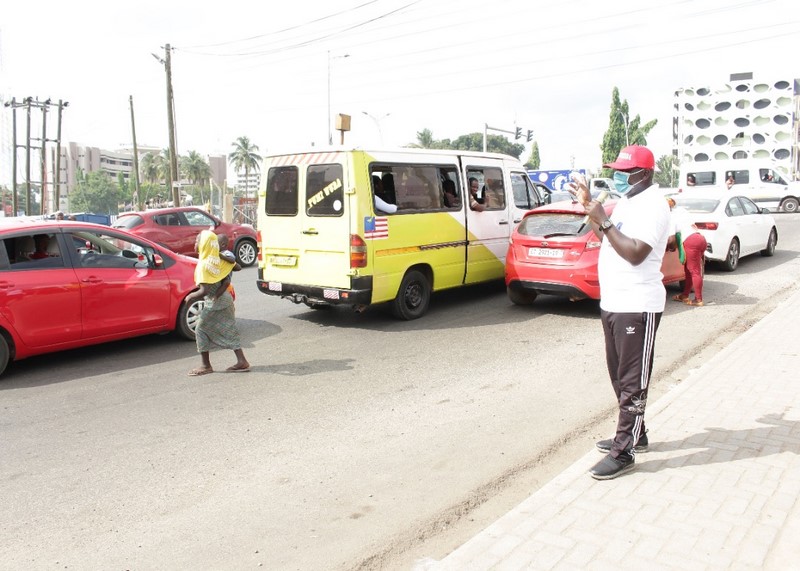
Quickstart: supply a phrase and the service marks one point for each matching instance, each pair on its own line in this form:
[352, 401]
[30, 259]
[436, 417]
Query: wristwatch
[605, 225]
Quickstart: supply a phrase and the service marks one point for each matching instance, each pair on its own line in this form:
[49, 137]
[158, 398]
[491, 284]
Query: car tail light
[706, 225]
[358, 251]
[593, 244]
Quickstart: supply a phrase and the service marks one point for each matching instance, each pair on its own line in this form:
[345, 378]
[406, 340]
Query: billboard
[554, 180]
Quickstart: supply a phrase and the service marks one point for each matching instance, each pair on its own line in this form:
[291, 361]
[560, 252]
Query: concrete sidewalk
[719, 488]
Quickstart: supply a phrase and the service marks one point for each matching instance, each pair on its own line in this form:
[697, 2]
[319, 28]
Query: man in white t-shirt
[632, 296]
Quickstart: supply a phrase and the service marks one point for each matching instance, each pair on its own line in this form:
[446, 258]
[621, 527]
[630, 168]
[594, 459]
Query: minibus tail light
[258, 246]
[358, 251]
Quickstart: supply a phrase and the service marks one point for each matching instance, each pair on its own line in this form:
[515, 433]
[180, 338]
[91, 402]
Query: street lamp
[378, 123]
[330, 132]
[625, 120]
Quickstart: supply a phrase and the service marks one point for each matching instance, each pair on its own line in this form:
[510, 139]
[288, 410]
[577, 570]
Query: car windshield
[553, 223]
[698, 204]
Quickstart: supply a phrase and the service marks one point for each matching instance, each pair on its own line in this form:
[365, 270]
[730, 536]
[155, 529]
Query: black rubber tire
[413, 297]
[187, 319]
[246, 253]
[790, 204]
[732, 259]
[772, 241]
[5, 354]
[521, 297]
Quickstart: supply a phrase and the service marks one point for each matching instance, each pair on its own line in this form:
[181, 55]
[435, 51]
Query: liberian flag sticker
[376, 227]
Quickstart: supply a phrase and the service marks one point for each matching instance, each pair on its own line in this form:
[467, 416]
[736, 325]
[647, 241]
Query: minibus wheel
[413, 296]
[790, 204]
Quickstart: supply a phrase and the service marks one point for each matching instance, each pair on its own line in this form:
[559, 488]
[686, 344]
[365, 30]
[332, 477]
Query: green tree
[425, 140]
[152, 168]
[245, 156]
[95, 192]
[195, 168]
[667, 171]
[622, 130]
[533, 161]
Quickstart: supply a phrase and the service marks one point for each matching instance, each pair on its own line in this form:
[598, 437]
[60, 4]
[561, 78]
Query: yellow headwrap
[210, 268]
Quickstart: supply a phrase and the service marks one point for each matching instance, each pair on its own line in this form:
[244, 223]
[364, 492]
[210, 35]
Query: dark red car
[71, 284]
[177, 229]
[553, 252]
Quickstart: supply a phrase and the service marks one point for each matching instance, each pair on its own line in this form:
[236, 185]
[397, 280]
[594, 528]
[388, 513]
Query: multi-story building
[743, 118]
[76, 157]
[247, 184]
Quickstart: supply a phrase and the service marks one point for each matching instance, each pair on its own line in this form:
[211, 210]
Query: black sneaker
[610, 467]
[642, 446]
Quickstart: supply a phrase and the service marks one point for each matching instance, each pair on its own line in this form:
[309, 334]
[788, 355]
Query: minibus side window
[281, 196]
[770, 176]
[704, 178]
[415, 188]
[451, 193]
[325, 190]
[490, 189]
[741, 177]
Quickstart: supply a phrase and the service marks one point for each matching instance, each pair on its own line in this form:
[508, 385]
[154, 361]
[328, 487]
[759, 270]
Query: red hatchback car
[71, 284]
[177, 229]
[553, 252]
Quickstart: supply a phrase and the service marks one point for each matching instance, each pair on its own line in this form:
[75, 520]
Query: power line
[312, 40]
[284, 30]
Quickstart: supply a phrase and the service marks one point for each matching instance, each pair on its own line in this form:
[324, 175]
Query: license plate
[545, 253]
[283, 260]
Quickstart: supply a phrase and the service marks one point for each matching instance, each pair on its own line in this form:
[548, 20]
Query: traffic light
[518, 133]
[530, 135]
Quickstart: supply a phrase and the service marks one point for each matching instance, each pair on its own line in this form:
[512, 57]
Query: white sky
[260, 69]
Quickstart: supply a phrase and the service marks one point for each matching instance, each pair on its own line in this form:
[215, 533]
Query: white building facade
[746, 117]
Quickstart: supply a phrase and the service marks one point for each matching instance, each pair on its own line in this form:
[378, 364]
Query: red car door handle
[92, 280]
[6, 285]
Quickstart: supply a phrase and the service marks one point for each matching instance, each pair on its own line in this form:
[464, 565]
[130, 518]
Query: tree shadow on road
[718, 445]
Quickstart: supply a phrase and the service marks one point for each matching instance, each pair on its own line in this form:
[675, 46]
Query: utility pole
[29, 103]
[136, 193]
[14, 198]
[173, 150]
[43, 157]
[57, 175]
[28, 160]
[173, 147]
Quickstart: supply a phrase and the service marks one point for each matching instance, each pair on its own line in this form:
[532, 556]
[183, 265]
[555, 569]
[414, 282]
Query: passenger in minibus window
[451, 199]
[380, 196]
[476, 199]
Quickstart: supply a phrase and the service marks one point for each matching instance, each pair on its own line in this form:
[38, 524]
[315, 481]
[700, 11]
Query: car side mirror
[158, 261]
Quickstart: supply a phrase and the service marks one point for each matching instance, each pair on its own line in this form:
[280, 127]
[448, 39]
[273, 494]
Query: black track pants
[630, 346]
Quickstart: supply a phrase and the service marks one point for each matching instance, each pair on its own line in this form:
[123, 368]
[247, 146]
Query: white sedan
[732, 224]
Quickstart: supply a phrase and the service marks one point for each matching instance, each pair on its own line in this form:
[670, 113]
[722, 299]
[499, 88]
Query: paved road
[356, 440]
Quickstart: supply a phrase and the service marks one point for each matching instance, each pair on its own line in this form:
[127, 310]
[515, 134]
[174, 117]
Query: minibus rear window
[281, 199]
[324, 190]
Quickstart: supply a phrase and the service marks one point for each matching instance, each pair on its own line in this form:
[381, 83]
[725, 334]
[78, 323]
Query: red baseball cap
[632, 157]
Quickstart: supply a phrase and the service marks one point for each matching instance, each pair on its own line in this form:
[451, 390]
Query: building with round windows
[744, 118]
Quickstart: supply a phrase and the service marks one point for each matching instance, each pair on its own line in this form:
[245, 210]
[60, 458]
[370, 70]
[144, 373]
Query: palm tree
[148, 167]
[425, 140]
[245, 157]
[196, 169]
